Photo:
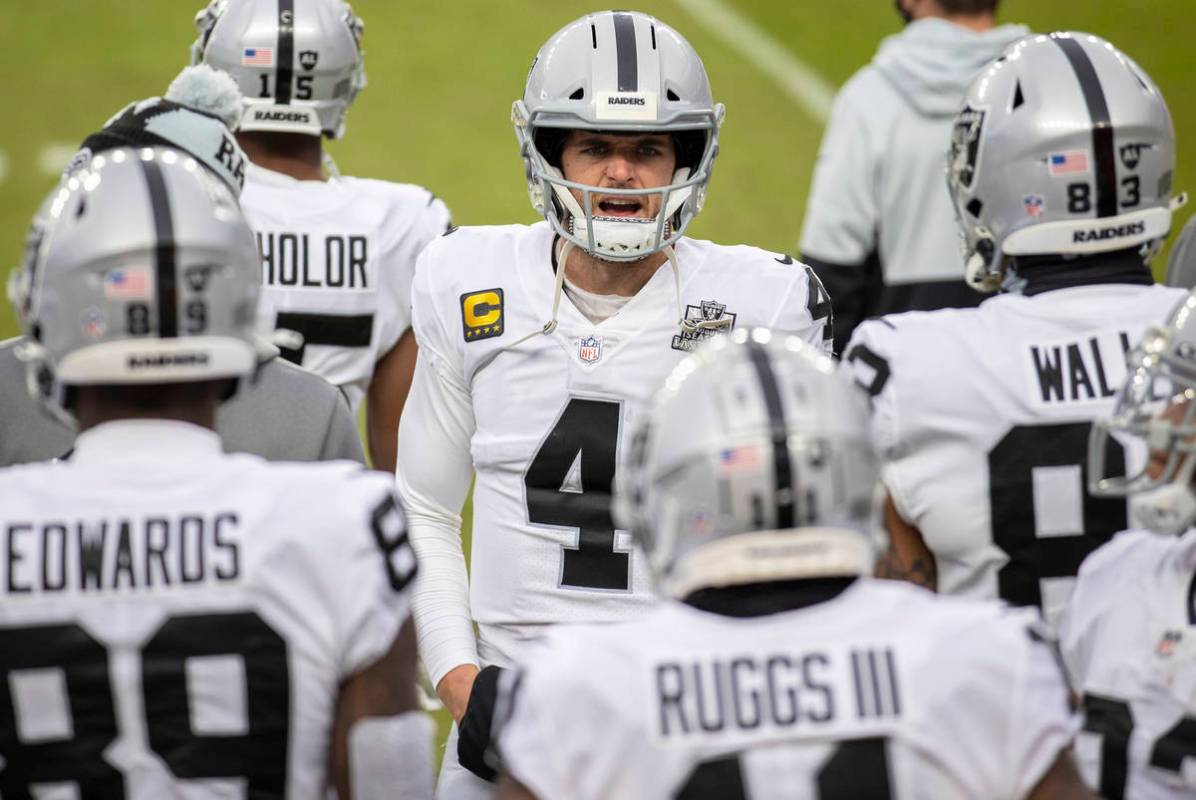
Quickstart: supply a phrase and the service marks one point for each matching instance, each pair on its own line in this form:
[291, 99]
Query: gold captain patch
[481, 314]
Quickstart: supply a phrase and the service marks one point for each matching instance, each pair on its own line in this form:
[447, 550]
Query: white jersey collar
[148, 439]
[269, 177]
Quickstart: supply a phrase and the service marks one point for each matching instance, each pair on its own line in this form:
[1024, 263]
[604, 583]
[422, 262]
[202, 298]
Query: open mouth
[621, 207]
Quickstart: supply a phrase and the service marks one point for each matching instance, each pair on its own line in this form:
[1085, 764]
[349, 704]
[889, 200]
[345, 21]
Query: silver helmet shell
[622, 72]
[298, 63]
[1154, 413]
[146, 272]
[1064, 146]
[752, 464]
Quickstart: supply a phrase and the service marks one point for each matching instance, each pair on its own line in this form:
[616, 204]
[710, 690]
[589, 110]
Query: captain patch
[481, 314]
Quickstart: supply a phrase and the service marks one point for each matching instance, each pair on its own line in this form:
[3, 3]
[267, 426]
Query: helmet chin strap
[620, 235]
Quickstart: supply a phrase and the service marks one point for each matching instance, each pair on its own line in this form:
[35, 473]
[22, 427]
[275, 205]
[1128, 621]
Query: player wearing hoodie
[879, 228]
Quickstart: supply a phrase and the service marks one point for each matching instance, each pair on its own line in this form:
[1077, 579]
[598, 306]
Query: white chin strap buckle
[1169, 509]
[619, 235]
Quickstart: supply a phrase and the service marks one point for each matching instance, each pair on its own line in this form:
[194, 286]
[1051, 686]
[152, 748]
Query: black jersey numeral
[1011, 467]
[587, 430]
[77, 755]
[856, 768]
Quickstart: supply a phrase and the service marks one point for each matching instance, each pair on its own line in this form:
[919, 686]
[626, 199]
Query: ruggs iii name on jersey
[839, 700]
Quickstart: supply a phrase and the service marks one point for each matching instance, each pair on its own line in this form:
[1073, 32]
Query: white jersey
[177, 622]
[982, 416]
[1129, 641]
[337, 262]
[886, 691]
[542, 421]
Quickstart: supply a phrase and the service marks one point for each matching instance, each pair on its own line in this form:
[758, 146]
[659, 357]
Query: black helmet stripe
[284, 74]
[782, 468]
[165, 288]
[625, 53]
[1103, 151]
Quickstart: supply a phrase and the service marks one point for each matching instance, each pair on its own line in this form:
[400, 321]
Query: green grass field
[443, 76]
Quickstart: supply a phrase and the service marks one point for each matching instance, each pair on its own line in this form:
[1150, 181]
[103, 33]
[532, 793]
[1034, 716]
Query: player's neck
[293, 154]
[597, 275]
[977, 23]
[759, 599]
[182, 402]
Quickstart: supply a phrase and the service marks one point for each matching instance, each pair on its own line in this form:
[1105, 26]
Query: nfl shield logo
[308, 59]
[1035, 204]
[589, 349]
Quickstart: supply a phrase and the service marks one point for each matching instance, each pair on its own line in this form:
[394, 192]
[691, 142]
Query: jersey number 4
[568, 484]
[34, 752]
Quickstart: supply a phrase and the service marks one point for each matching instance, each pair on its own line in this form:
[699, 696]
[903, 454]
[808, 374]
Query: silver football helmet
[299, 63]
[617, 71]
[1155, 412]
[752, 464]
[146, 272]
[1063, 146]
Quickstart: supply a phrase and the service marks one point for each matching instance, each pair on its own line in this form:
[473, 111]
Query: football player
[1060, 170]
[337, 252]
[879, 228]
[286, 414]
[177, 621]
[780, 669]
[1181, 265]
[539, 344]
[1130, 628]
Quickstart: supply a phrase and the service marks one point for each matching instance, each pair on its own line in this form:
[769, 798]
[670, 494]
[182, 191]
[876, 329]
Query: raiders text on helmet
[146, 272]
[752, 464]
[617, 71]
[1064, 146]
[299, 63]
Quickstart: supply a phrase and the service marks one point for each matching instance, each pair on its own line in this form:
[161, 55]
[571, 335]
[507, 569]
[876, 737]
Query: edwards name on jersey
[982, 416]
[886, 691]
[544, 419]
[1129, 640]
[337, 263]
[182, 624]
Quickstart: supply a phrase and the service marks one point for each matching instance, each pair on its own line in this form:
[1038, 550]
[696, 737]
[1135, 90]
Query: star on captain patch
[589, 349]
[481, 314]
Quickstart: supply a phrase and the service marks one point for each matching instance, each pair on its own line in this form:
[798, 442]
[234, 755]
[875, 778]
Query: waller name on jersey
[1088, 369]
[120, 554]
[340, 260]
[776, 691]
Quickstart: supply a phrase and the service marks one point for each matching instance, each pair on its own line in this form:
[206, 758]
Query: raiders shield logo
[707, 311]
[965, 145]
[308, 59]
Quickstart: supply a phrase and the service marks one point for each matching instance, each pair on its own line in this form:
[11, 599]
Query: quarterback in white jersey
[338, 253]
[177, 621]
[982, 415]
[781, 671]
[1129, 632]
[539, 344]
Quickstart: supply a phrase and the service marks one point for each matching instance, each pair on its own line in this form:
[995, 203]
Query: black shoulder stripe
[782, 467]
[1103, 152]
[165, 290]
[625, 53]
[284, 73]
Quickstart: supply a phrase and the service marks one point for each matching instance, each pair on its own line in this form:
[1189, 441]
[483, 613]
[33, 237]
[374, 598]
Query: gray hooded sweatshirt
[879, 191]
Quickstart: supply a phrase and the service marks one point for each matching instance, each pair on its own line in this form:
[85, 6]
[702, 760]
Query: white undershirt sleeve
[434, 472]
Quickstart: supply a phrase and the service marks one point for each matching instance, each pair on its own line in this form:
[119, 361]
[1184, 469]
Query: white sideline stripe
[53, 158]
[3, 166]
[798, 80]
